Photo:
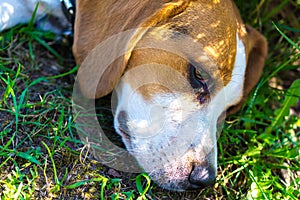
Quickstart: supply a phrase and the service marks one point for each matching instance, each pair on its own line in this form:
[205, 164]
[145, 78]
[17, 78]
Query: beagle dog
[183, 65]
[179, 67]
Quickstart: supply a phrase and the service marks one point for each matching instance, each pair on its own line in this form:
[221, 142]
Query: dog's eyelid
[199, 68]
[200, 73]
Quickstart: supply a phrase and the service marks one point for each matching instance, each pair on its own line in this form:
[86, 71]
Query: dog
[185, 64]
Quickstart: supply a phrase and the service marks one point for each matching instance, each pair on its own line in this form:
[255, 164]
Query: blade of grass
[265, 80]
[139, 184]
[49, 48]
[18, 193]
[31, 22]
[255, 181]
[288, 28]
[290, 100]
[275, 10]
[57, 182]
[82, 182]
[286, 37]
[72, 71]
[28, 157]
[104, 182]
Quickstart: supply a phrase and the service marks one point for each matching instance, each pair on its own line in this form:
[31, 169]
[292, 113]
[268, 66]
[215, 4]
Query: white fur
[172, 130]
[13, 12]
[233, 91]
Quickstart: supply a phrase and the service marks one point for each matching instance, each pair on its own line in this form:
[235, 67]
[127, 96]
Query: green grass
[41, 156]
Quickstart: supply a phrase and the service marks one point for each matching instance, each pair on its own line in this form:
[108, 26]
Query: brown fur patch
[212, 24]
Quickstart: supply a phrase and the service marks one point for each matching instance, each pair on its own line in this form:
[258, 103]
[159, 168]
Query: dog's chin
[176, 169]
[181, 186]
[177, 185]
[182, 174]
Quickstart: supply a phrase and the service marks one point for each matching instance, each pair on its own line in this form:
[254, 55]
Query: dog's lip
[125, 135]
[186, 187]
[123, 131]
[192, 187]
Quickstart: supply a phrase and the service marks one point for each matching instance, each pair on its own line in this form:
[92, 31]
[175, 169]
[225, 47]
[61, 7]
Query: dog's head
[185, 64]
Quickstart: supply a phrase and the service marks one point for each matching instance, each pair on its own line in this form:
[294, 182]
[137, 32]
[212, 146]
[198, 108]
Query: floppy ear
[95, 40]
[257, 49]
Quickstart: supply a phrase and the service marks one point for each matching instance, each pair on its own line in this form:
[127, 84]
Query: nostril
[202, 176]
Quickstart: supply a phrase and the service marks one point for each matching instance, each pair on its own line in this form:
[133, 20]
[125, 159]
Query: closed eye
[201, 82]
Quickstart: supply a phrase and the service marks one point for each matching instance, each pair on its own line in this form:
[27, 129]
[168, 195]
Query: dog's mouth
[189, 172]
[123, 127]
[194, 178]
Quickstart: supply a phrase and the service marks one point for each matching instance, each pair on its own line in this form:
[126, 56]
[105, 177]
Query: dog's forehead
[212, 26]
[209, 26]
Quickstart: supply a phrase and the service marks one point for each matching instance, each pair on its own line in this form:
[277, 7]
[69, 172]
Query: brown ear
[97, 22]
[257, 49]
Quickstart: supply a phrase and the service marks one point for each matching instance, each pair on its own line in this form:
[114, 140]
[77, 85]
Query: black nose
[202, 176]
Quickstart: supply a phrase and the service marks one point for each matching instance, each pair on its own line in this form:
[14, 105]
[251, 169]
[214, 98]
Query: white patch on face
[232, 93]
[172, 131]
